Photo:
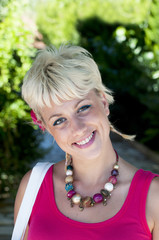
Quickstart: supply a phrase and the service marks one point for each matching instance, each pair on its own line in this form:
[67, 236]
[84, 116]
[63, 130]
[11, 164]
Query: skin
[70, 123]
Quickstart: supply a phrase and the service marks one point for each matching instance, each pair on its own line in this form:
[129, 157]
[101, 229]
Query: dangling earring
[68, 160]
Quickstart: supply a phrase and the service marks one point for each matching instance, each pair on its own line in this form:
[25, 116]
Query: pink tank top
[48, 223]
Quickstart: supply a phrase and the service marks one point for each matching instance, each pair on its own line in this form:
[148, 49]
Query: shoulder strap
[135, 204]
[35, 181]
[149, 176]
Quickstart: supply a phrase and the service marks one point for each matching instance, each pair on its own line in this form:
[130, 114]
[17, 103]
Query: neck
[94, 171]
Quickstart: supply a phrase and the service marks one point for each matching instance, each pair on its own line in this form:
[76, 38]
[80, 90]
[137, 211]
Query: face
[80, 126]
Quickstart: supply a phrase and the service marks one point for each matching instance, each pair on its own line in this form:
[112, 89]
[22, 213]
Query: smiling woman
[68, 99]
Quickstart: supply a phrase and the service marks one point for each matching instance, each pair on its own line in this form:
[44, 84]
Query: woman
[108, 197]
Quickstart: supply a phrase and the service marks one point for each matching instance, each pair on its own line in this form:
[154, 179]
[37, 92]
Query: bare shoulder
[20, 193]
[153, 206]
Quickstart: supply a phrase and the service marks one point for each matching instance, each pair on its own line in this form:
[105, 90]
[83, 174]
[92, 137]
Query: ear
[105, 103]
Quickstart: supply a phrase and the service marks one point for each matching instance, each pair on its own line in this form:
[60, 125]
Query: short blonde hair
[62, 74]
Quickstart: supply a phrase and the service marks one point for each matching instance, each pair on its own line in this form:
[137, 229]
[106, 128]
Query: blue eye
[59, 121]
[83, 108]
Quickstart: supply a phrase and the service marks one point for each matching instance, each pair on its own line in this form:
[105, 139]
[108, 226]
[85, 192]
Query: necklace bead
[70, 194]
[68, 186]
[105, 193]
[69, 179]
[69, 167]
[113, 180]
[76, 199]
[87, 201]
[114, 172]
[116, 166]
[98, 198]
[109, 187]
[69, 172]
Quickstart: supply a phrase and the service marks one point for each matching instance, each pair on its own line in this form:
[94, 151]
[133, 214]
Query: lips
[86, 142]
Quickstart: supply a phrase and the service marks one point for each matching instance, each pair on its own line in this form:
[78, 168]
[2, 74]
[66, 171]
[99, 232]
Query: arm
[19, 197]
[153, 208]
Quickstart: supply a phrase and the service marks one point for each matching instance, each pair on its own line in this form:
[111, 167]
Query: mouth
[86, 142]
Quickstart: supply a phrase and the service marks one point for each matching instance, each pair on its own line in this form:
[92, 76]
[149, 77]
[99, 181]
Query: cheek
[61, 137]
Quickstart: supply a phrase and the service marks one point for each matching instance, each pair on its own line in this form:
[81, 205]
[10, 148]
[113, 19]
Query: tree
[17, 138]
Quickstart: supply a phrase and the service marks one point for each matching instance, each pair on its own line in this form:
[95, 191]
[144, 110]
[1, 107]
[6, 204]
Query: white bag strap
[35, 181]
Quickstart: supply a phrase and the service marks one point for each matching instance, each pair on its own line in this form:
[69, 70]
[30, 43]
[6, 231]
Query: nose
[78, 127]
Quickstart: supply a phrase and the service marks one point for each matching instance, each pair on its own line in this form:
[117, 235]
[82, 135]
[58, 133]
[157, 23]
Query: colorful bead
[76, 198]
[87, 201]
[69, 173]
[69, 167]
[71, 193]
[98, 198]
[105, 193]
[114, 172]
[68, 186]
[116, 166]
[112, 179]
[69, 179]
[109, 187]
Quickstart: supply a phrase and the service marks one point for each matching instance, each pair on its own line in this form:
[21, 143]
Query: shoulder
[20, 193]
[153, 206]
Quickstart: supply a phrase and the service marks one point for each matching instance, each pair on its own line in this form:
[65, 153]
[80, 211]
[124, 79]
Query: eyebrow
[79, 102]
[59, 114]
[55, 115]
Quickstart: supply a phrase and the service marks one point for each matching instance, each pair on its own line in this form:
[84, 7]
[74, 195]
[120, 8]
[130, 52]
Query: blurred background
[123, 37]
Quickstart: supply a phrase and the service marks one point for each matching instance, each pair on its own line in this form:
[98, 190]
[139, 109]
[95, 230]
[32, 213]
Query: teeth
[86, 140]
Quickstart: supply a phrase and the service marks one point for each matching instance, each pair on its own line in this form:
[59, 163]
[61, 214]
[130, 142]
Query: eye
[83, 108]
[59, 121]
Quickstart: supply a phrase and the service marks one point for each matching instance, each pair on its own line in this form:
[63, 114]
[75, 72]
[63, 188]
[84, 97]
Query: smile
[83, 142]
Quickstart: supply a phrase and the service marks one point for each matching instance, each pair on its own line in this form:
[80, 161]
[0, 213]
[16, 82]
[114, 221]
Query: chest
[97, 213]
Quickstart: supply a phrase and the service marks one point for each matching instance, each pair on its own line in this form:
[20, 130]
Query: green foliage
[15, 53]
[57, 19]
[3, 9]
[57, 15]
[16, 137]
[152, 30]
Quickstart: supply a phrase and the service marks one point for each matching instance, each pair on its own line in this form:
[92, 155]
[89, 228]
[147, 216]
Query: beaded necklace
[105, 193]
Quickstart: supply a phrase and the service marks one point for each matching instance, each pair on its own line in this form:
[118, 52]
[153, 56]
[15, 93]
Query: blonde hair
[61, 75]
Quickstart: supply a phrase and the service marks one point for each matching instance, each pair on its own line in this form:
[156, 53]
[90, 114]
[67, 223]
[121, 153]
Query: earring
[68, 160]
